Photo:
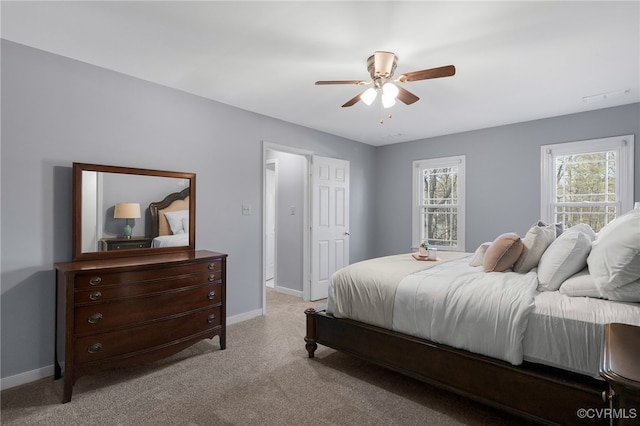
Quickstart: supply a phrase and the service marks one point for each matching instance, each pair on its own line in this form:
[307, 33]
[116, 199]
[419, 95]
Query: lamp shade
[369, 95]
[127, 211]
[390, 89]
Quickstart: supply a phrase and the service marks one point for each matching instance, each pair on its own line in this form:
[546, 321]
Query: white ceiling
[515, 61]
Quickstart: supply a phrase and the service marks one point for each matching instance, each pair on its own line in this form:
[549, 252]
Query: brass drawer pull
[211, 318]
[95, 318]
[211, 295]
[212, 278]
[94, 348]
[95, 295]
[95, 280]
[211, 266]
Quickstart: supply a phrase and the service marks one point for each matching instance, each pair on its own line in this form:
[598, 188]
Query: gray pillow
[559, 226]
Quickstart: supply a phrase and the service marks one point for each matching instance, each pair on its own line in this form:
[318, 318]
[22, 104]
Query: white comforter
[461, 306]
[447, 302]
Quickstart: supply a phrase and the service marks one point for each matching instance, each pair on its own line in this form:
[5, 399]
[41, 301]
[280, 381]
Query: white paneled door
[330, 222]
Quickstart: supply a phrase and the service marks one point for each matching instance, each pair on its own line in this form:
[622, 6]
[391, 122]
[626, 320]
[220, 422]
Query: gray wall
[502, 173]
[56, 111]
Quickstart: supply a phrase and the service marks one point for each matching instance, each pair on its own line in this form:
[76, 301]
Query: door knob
[347, 233]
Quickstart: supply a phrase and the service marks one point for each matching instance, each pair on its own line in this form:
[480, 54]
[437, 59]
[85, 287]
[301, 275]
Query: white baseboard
[290, 292]
[244, 316]
[41, 373]
[26, 377]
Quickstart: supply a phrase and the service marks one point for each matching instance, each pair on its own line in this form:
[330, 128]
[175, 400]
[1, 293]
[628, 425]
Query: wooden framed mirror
[123, 211]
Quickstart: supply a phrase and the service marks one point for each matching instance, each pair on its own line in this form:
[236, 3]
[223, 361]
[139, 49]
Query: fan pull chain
[382, 113]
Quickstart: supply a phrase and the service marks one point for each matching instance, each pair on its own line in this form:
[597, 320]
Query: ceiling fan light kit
[368, 96]
[381, 66]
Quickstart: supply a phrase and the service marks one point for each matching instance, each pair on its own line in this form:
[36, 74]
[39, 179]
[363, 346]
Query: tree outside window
[588, 181]
[438, 216]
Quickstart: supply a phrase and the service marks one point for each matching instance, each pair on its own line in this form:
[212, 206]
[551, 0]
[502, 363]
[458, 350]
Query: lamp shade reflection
[127, 211]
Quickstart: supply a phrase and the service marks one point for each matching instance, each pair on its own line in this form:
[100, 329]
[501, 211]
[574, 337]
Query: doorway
[300, 230]
[285, 255]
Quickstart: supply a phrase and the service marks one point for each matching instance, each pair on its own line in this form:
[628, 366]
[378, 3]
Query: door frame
[274, 163]
[306, 235]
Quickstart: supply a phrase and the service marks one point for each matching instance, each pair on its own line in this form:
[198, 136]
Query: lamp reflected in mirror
[127, 211]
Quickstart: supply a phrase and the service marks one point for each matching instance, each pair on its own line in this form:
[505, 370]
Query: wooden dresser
[125, 311]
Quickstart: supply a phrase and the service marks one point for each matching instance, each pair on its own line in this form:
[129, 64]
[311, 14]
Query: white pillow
[478, 256]
[185, 224]
[175, 220]
[627, 293]
[580, 285]
[615, 258]
[583, 285]
[564, 257]
[536, 241]
[584, 228]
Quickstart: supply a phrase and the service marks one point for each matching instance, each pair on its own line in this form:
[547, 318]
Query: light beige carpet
[263, 378]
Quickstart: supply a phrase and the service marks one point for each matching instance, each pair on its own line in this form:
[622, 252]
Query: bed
[170, 220]
[424, 319]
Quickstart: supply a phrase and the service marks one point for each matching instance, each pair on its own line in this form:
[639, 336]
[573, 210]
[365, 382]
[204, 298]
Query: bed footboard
[538, 393]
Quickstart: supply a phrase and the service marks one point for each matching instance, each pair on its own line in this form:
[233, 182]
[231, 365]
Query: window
[438, 200]
[587, 182]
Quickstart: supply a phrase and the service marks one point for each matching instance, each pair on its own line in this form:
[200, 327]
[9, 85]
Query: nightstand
[108, 244]
[620, 367]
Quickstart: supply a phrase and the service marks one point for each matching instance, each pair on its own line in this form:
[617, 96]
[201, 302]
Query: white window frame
[418, 166]
[622, 145]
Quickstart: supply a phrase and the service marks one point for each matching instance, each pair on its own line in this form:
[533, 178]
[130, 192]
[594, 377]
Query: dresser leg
[223, 340]
[68, 389]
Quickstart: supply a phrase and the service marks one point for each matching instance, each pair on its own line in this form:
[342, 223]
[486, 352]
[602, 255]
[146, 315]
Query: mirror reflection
[116, 211]
[122, 211]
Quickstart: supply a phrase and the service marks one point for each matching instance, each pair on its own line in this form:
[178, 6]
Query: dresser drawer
[103, 316]
[119, 291]
[96, 278]
[145, 337]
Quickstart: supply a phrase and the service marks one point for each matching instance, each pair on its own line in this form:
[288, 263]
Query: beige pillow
[502, 253]
[536, 241]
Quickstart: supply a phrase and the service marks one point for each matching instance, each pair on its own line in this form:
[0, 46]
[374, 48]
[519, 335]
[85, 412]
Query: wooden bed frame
[156, 208]
[543, 394]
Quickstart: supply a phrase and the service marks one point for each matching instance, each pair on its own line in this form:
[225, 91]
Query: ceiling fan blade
[353, 100]
[406, 96]
[358, 82]
[446, 71]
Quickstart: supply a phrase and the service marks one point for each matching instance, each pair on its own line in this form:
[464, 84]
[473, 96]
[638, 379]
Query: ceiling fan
[381, 66]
